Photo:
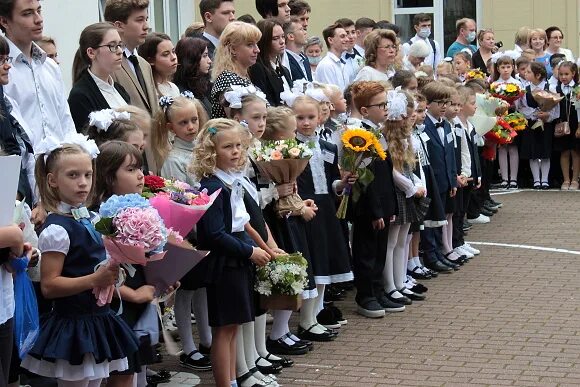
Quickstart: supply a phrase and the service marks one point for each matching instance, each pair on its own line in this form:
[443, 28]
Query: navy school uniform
[78, 339]
[535, 143]
[568, 113]
[325, 235]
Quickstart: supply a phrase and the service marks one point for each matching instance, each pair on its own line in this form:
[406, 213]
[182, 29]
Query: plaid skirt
[406, 208]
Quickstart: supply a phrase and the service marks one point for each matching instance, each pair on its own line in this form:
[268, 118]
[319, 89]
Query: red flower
[154, 183]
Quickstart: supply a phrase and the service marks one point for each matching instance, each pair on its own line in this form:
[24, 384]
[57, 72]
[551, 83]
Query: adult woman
[380, 54]
[237, 51]
[268, 74]
[416, 55]
[313, 51]
[193, 71]
[486, 39]
[555, 37]
[158, 50]
[537, 42]
[98, 57]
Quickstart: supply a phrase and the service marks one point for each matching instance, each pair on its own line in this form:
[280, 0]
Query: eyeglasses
[382, 105]
[113, 47]
[443, 103]
[389, 46]
[5, 59]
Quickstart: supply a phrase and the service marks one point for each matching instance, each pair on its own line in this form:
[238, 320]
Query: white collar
[369, 123]
[571, 84]
[295, 56]
[334, 58]
[128, 53]
[433, 119]
[215, 41]
[36, 54]
[231, 178]
[100, 83]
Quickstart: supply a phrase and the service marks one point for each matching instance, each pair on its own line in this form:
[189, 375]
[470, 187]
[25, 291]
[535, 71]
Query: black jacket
[296, 69]
[269, 81]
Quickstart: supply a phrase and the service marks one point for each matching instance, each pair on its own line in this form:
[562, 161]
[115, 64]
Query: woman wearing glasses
[99, 55]
[380, 55]
[555, 38]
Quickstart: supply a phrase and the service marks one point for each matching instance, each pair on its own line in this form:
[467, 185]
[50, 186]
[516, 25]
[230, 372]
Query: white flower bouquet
[281, 282]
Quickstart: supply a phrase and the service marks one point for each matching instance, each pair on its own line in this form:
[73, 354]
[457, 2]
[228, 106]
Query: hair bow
[396, 105]
[510, 53]
[238, 92]
[165, 101]
[102, 119]
[50, 143]
[187, 94]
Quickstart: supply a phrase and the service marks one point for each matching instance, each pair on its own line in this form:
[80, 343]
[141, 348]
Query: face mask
[424, 33]
[314, 60]
[470, 36]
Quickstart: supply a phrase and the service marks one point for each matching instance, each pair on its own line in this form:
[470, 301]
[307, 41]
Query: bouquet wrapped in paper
[509, 92]
[488, 109]
[281, 281]
[358, 145]
[546, 101]
[179, 205]
[133, 233]
[502, 133]
[282, 162]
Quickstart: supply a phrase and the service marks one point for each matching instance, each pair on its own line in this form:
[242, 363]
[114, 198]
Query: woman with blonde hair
[236, 52]
[382, 47]
[538, 42]
[486, 40]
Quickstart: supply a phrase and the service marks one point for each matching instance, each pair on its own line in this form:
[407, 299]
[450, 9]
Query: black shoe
[369, 307]
[399, 300]
[486, 212]
[284, 361]
[490, 209]
[412, 295]
[309, 335]
[432, 273]
[158, 377]
[438, 267]
[273, 368]
[244, 377]
[496, 203]
[545, 186]
[513, 185]
[300, 341]
[205, 351]
[447, 262]
[337, 315]
[280, 347]
[202, 364]
[459, 261]
[419, 288]
[327, 318]
[418, 274]
[388, 305]
[491, 204]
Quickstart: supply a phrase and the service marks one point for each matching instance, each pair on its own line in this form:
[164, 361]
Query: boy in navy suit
[440, 146]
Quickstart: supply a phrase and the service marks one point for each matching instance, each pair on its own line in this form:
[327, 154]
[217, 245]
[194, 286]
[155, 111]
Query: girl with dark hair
[193, 71]
[99, 55]
[159, 51]
[268, 74]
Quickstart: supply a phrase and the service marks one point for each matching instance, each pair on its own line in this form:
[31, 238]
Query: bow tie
[439, 125]
[80, 213]
[350, 56]
[458, 126]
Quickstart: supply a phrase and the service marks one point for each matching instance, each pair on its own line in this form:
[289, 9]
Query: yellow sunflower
[379, 149]
[511, 88]
[357, 140]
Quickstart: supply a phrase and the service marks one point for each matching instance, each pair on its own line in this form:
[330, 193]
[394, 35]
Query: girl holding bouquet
[219, 159]
[321, 182]
[504, 72]
[182, 117]
[568, 144]
[536, 143]
[80, 343]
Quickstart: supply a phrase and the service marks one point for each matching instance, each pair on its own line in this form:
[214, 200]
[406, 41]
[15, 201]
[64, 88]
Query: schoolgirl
[109, 125]
[461, 64]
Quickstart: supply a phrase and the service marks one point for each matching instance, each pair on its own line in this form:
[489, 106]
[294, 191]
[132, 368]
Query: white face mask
[470, 36]
[424, 32]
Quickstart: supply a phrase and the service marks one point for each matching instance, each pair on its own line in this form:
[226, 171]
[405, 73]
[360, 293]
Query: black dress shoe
[284, 361]
[309, 335]
[490, 209]
[244, 377]
[412, 295]
[205, 351]
[158, 378]
[432, 273]
[418, 274]
[438, 267]
[273, 368]
[280, 347]
[447, 262]
[419, 288]
[300, 341]
[399, 300]
[486, 212]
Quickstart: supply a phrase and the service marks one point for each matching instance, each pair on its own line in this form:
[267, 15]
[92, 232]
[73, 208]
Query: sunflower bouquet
[502, 133]
[359, 145]
[517, 121]
[509, 92]
[474, 74]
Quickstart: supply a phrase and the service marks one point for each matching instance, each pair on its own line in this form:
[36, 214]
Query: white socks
[308, 312]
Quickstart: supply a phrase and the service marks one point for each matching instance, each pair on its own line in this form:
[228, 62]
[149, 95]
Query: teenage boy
[294, 59]
[352, 58]
[372, 213]
[331, 68]
[422, 25]
[363, 26]
[274, 8]
[301, 9]
[440, 142]
[216, 15]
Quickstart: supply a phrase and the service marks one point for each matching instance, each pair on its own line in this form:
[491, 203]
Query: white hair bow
[235, 96]
[50, 143]
[396, 105]
[102, 119]
[510, 53]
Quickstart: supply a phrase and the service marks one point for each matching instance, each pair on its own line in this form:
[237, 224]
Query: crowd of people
[198, 111]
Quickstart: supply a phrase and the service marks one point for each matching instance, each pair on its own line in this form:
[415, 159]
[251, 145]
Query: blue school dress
[78, 339]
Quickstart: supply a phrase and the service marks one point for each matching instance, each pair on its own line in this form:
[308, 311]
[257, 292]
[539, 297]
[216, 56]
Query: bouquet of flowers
[179, 205]
[546, 102]
[509, 92]
[516, 121]
[281, 282]
[359, 144]
[474, 74]
[488, 108]
[133, 233]
[502, 133]
[283, 161]
[576, 96]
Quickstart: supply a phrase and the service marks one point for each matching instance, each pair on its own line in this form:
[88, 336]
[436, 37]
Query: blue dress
[78, 339]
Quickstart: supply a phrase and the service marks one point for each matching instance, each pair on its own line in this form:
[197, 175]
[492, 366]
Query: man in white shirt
[331, 68]
[352, 58]
[216, 15]
[294, 59]
[422, 24]
[363, 26]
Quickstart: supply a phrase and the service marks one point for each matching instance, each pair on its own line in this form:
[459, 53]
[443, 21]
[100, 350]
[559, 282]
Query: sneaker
[390, 306]
[471, 249]
[481, 219]
[499, 204]
[326, 318]
[168, 320]
[370, 308]
[461, 251]
[201, 364]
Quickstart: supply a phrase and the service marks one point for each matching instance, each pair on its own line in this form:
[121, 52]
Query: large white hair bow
[50, 143]
[102, 119]
[238, 92]
[396, 105]
[510, 53]
[303, 87]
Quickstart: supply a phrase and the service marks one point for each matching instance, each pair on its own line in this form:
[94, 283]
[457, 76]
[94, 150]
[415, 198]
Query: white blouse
[107, 89]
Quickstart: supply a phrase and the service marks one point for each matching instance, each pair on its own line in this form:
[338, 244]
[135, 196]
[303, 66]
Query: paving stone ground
[511, 316]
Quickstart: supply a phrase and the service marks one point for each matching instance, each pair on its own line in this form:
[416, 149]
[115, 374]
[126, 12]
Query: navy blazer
[296, 70]
[441, 156]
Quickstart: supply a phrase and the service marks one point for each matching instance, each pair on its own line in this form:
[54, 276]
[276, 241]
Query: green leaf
[105, 226]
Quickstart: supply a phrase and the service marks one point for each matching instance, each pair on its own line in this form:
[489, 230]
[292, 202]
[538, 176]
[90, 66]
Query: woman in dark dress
[486, 40]
[193, 71]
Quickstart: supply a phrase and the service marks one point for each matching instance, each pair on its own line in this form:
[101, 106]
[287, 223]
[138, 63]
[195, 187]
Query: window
[455, 10]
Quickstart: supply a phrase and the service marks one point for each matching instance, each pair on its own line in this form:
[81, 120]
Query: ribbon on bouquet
[170, 345]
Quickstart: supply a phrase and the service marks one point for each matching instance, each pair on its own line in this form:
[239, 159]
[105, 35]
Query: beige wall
[505, 17]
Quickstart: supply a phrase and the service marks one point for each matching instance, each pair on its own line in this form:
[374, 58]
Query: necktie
[82, 215]
[133, 59]
[350, 56]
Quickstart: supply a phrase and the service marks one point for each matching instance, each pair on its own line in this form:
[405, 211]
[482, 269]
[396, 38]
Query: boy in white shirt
[331, 68]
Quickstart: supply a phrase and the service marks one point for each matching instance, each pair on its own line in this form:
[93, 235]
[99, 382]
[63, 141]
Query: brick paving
[511, 316]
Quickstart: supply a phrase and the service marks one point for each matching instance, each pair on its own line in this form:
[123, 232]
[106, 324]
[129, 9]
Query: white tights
[514, 161]
[537, 165]
[394, 274]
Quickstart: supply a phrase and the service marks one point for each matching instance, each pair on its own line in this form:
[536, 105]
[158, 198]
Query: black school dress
[78, 339]
[567, 113]
[536, 143]
[329, 249]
